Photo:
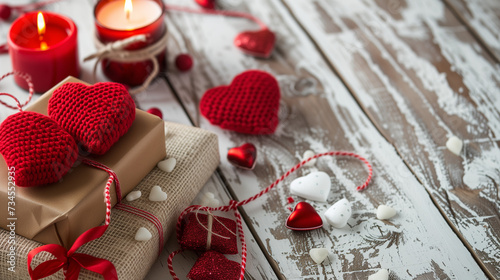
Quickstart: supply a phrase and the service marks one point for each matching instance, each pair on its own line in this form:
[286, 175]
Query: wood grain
[422, 77]
[317, 113]
[482, 17]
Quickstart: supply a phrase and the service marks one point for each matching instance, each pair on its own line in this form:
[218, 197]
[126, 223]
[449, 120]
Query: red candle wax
[48, 59]
[132, 74]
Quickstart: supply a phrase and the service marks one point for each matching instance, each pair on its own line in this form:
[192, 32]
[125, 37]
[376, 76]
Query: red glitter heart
[249, 104]
[244, 156]
[39, 150]
[214, 266]
[256, 43]
[304, 217]
[96, 116]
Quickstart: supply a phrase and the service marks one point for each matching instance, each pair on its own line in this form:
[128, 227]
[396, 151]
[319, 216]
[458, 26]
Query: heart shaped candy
[37, 147]
[385, 212]
[314, 186]
[244, 156]
[256, 43]
[318, 254]
[143, 234]
[133, 195]
[167, 165]
[157, 194]
[304, 217]
[249, 104]
[339, 213]
[96, 116]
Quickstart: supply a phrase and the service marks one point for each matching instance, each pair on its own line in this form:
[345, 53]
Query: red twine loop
[27, 78]
[233, 205]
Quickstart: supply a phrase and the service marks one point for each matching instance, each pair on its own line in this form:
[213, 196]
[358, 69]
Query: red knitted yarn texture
[96, 116]
[248, 105]
[38, 149]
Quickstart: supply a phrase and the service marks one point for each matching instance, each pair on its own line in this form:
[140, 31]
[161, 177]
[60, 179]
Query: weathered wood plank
[483, 19]
[422, 78]
[317, 113]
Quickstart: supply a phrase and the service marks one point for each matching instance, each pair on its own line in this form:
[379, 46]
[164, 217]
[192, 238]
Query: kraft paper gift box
[59, 213]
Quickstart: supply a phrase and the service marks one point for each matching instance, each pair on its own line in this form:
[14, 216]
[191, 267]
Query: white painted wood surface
[423, 78]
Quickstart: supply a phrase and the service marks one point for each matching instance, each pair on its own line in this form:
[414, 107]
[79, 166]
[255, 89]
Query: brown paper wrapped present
[197, 155]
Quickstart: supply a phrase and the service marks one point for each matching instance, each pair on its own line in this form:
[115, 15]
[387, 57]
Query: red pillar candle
[45, 47]
[117, 20]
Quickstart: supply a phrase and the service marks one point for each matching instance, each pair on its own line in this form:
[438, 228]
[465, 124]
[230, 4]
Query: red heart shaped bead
[249, 104]
[257, 43]
[96, 116]
[38, 149]
[214, 266]
[304, 217]
[207, 4]
[243, 156]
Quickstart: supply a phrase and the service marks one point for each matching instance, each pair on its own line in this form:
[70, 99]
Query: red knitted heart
[304, 217]
[214, 266]
[257, 43]
[96, 116]
[38, 149]
[249, 104]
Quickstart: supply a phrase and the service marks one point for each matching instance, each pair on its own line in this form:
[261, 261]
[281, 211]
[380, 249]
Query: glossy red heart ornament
[304, 217]
[37, 148]
[256, 43]
[249, 104]
[96, 116]
[214, 266]
[207, 4]
[244, 156]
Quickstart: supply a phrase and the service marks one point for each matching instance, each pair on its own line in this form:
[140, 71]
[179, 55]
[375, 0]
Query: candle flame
[41, 24]
[128, 8]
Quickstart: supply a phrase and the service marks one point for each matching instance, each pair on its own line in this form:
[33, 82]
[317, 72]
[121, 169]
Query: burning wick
[41, 30]
[128, 8]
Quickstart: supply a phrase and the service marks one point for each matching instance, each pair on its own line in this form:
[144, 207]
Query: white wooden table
[389, 79]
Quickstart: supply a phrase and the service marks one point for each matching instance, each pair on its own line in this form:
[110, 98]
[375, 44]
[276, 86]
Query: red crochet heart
[304, 217]
[37, 148]
[257, 43]
[96, 116]
[214, 266]
[244, 156]
[249, 104]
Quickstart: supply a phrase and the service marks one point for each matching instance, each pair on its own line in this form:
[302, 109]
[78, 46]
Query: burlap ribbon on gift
[197, 155]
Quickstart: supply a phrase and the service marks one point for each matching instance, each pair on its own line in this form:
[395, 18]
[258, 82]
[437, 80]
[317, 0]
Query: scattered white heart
[308, 154]
[454, 144]
[339, 213]
[208, 199]
[157, 194]
[382, 274]
[385, 212]
[167, 165]
[133, 195]
[318, 254]
[315, 186]
[143, 234]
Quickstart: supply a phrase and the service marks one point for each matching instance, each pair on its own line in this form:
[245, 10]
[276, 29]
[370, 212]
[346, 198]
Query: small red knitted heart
[257, 43]
[249, 104]
[244, 156]
[38, 149]
[96, 116]
[214, 266]
[304, 217]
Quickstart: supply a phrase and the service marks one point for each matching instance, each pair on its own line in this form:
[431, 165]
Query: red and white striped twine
[27, 78]
[233, 205]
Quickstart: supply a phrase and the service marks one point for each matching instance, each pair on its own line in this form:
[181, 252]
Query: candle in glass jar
[43, 45]
[118, 20]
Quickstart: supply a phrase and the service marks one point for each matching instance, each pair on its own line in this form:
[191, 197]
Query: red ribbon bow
[72, 262]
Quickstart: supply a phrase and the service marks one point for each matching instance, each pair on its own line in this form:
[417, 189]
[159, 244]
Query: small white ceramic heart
[382, 274]
[338, 214]
[143, 234]
[133, 195]
[315, 186]
[208, 199]
[318, 254]
[454, 144]
[308, 154]
[385, 212]
[167, 165]
[157, 194]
